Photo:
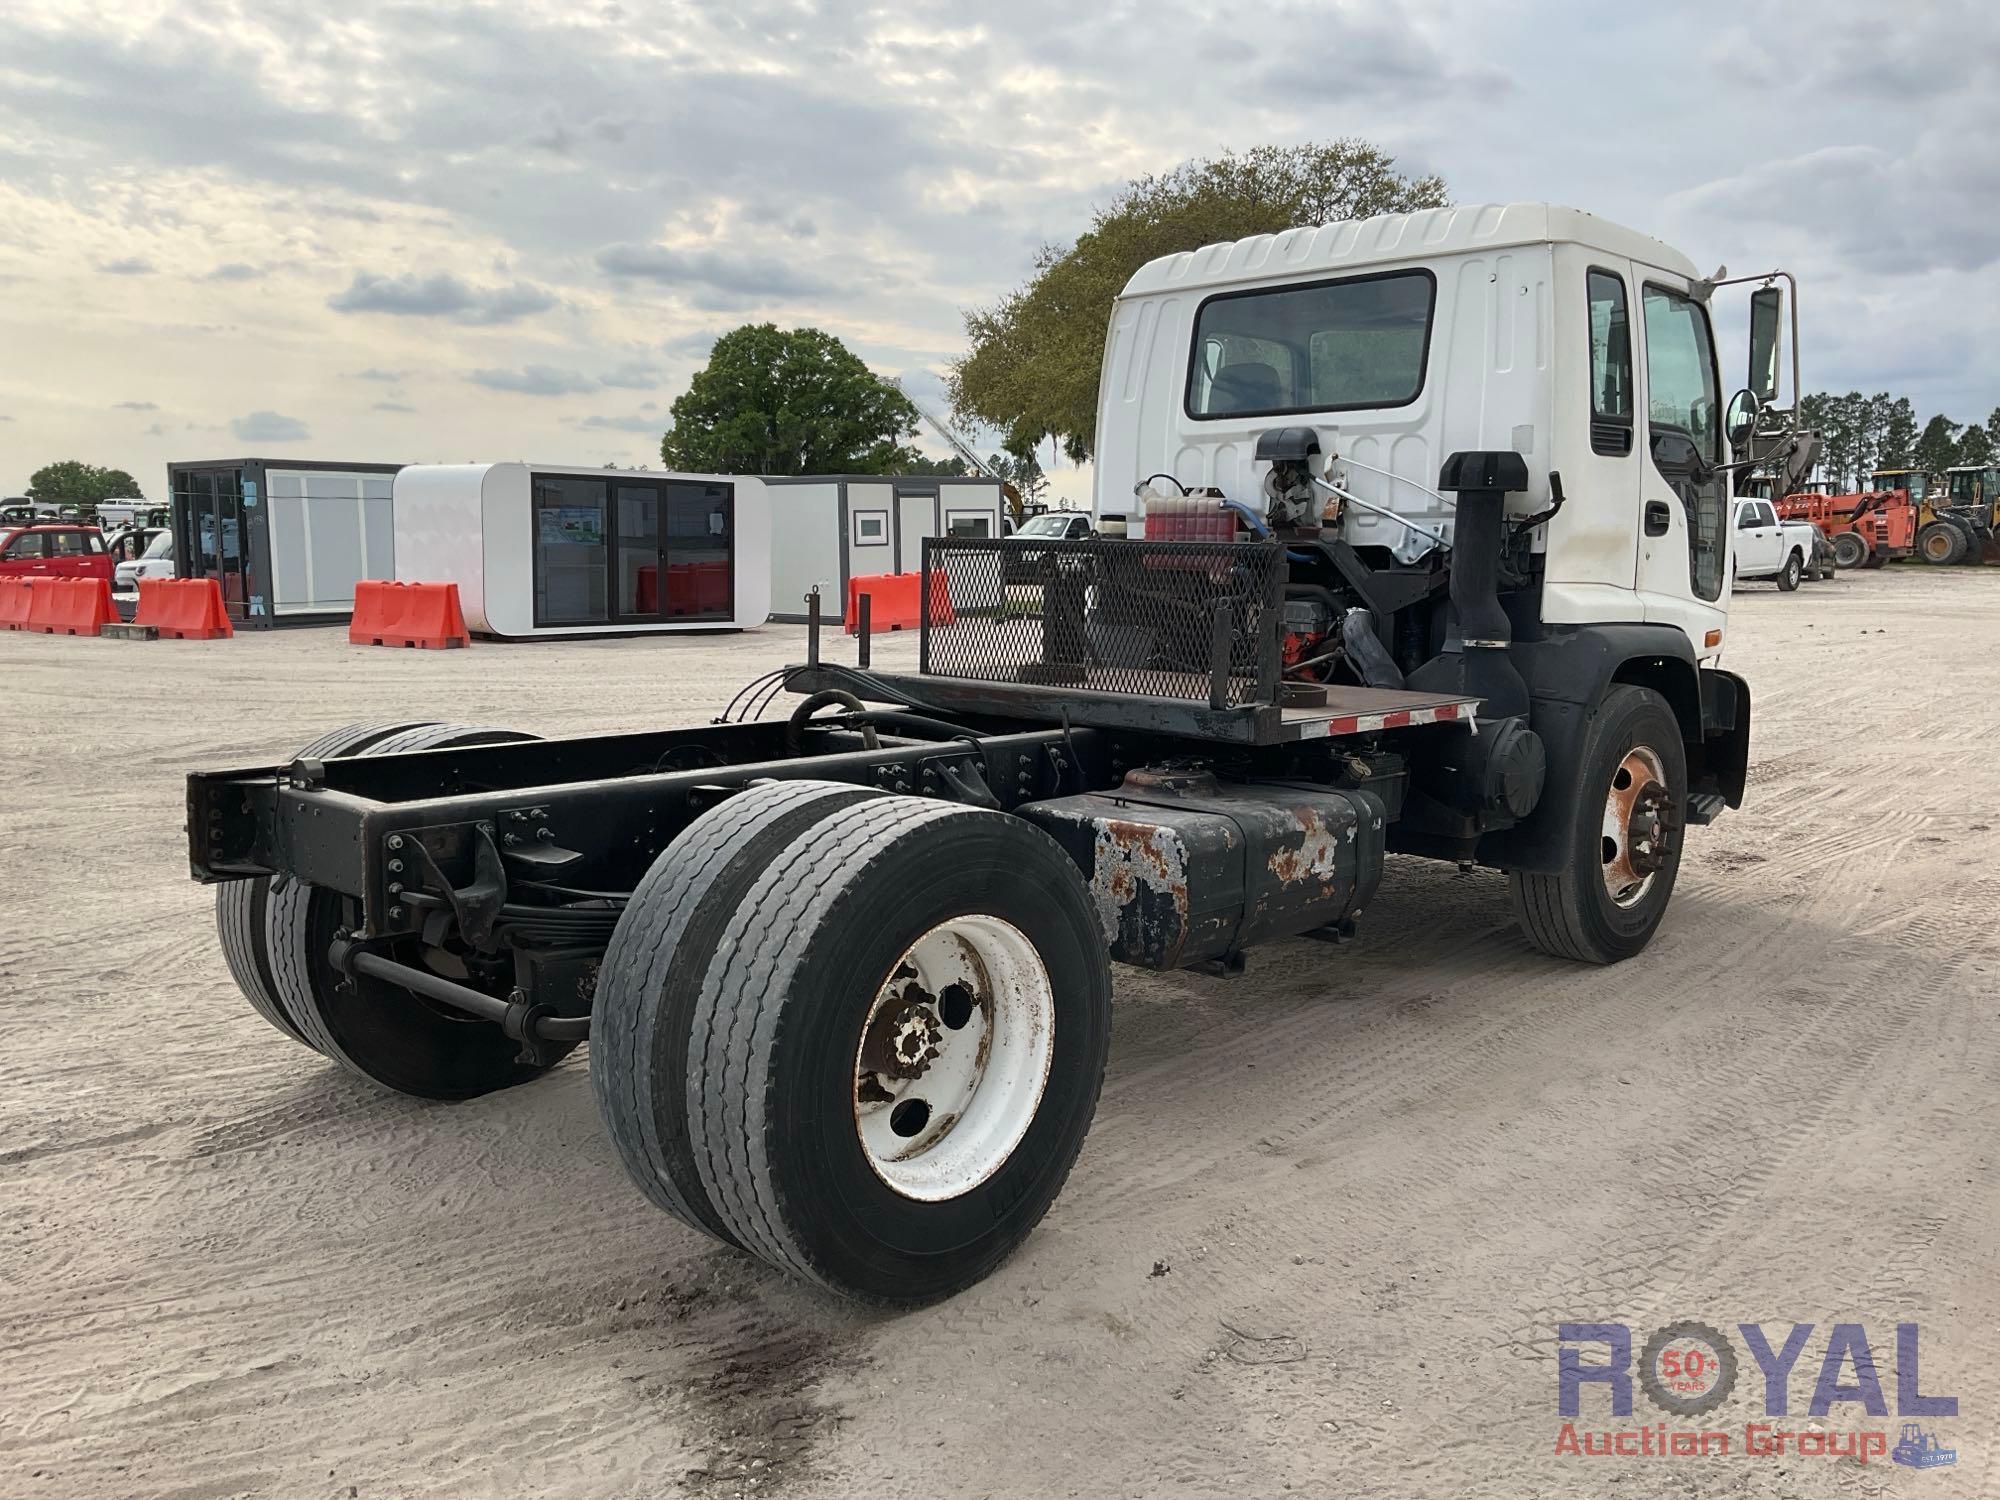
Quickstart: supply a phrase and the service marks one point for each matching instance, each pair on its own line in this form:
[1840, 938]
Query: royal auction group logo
[1689, 1369]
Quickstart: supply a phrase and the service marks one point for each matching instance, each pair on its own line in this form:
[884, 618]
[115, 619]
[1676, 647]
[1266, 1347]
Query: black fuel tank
[1183, 867]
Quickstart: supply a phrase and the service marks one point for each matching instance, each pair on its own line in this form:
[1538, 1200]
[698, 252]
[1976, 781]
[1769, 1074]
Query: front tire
[1631, 793]
[1850, 550]
[1941, 543]
[898, 1047]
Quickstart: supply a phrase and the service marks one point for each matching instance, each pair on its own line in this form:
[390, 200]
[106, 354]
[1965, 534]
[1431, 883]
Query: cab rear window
[1359, 343]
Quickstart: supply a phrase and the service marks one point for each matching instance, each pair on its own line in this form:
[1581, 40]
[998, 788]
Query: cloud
[441, 295]
[386, 377]
[135, 406]
[647, 425]
[711, 278]
[876, 170]
[1888, 213]
[269, 427]
[534, 380]
[634, 375]
[131, 265]
[393, 406]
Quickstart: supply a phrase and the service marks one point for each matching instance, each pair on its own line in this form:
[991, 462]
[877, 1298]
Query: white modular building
[545, 550]
[826, 529]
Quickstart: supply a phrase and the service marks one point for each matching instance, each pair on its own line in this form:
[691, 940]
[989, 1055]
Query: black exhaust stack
[1483, 481]
[1493, 777]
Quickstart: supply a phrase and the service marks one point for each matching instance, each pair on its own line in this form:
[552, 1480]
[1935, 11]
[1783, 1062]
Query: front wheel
[1789, 575]
[897, 1048]
[1941, 543]
[1850, 550]
[1631, 793]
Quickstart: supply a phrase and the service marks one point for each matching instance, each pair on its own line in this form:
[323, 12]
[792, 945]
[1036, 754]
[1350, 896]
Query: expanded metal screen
[1190, 621]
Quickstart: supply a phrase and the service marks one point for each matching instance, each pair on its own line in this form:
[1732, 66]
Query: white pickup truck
[1767, 547]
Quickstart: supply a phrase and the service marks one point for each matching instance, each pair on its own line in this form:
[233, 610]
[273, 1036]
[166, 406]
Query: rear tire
[1789, 575]
[1849, 550]
[240, 904]
[381, 1031]
[1575, 913]
[833, 983]
[652, 975]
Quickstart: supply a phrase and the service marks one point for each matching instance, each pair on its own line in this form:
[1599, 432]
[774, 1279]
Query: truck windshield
[1329, 346]
[1048, 525]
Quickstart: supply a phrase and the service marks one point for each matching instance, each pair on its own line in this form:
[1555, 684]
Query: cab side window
[1684, 426]
[1610, 365]
[27, 544]
[67, 543]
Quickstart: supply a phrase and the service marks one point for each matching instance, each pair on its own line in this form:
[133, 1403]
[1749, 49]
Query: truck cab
[1335, 387]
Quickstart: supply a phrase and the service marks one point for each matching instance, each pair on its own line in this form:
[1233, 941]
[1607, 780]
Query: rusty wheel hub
[903, 1039]
[1638, 828]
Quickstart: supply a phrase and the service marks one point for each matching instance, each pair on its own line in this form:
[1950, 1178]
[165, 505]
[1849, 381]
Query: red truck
[54, 551]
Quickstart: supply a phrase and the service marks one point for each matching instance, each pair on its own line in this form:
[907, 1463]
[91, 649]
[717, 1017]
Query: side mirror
[1767, 307]
[1746, 519]
[1739, 422]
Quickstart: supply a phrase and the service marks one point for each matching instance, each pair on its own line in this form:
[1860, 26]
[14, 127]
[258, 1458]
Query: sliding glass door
[633, 551]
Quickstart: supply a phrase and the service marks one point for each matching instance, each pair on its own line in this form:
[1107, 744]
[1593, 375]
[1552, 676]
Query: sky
[404, 232]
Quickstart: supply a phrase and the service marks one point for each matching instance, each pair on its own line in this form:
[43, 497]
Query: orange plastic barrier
[407, 614]
[183, 609]
[71, 606]
[17, 595]
[892, 602]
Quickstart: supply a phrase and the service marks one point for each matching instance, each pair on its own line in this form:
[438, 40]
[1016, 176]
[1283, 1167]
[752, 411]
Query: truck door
[1683, 500]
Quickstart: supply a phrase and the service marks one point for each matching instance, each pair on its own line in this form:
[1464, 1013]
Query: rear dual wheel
[240, 904]
[380, 1031]
[871, 1051]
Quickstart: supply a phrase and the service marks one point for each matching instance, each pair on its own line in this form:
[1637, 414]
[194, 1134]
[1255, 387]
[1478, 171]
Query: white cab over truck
[1437, 562]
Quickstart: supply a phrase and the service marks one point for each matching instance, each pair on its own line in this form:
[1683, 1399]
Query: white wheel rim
[953, 1058]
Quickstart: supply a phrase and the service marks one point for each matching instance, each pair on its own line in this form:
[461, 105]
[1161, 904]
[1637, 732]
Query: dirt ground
[1320, 1239]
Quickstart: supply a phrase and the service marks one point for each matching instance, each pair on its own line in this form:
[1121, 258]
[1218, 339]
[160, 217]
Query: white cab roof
[1400, 239]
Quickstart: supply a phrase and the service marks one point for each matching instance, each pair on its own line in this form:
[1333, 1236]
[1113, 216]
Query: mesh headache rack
[1182, 638]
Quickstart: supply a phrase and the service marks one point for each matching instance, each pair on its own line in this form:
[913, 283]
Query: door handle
[1658, 518]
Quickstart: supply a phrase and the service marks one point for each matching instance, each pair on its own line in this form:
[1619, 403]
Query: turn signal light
[1713, 639]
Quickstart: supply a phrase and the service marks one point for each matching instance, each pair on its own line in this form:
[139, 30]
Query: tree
[1975, 446]
[1937, 449]
[946, 467]
[1036, 355]
[1899, 435]
[1023, 471]
[1993, 429]
[82, 485]
[771, 401]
